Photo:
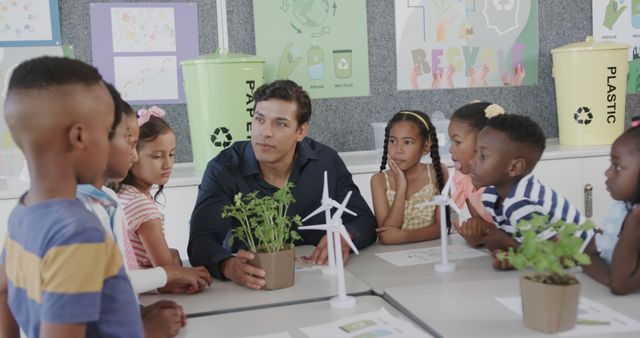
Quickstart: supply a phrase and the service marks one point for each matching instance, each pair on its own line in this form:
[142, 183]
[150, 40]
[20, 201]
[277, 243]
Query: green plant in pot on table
[550, 295]
[267, 230]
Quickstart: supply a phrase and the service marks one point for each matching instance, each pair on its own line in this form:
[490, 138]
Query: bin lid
[590, 44]
[223, 58]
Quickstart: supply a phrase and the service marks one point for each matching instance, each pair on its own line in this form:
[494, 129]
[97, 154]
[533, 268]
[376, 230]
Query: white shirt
[611, 225]
[141, 280]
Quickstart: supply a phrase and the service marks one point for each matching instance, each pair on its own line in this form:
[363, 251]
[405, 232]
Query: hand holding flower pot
[267, 230]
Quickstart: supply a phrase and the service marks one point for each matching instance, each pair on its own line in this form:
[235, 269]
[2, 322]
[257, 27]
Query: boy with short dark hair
[508, 150]
[61, 275]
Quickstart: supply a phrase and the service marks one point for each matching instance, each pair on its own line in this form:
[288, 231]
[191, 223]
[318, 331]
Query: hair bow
[493, 110]
[145, 114]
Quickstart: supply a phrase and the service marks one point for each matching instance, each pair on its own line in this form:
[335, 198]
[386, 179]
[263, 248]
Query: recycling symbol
[343, 64]
[221, 137]
[583, 115]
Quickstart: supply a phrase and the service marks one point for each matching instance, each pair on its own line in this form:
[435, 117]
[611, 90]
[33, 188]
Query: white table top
[221, 297]
[469, 308]
[289, 318]
[380, 274]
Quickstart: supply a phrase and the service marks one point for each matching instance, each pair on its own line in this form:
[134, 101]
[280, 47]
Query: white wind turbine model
[443, 200]
[326, 204]
[335, 229]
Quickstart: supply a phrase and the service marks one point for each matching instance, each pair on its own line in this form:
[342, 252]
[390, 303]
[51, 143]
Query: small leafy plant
[265, 226]
[550, 258]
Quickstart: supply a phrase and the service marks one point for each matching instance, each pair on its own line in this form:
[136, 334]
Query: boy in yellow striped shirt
[61, 275]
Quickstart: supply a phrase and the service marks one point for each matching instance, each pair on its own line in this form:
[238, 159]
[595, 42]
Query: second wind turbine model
[326, 204]
[443, 200]
[335, 229]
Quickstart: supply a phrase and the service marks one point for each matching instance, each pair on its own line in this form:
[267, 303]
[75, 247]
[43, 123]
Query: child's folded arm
[598, 269]
[474, 230]
[500, 240]
[424, 234]
[390, 235]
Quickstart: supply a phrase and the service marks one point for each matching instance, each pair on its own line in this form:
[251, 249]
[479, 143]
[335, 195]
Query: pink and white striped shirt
[138, 209]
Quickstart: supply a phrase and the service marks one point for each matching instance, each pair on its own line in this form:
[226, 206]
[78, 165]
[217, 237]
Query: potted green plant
[550, 294]
[268, 232]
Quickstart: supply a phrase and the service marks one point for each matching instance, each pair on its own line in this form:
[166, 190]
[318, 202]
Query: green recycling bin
[219, 90]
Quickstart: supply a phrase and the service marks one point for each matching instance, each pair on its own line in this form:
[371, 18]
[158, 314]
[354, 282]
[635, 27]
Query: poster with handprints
[446, 44]
[29, 23]
[146, 77]
[143, 29]
[138, 47]
[619, 21]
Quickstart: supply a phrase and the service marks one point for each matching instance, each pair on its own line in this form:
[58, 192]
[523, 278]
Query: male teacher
[279, 152]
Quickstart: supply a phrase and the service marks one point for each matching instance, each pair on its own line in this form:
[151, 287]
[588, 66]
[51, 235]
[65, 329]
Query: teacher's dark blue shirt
[236, 170]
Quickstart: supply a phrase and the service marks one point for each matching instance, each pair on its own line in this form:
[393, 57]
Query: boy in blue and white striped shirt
[508, 149]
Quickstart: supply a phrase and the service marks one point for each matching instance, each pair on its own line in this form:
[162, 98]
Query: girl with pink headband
[145, 223]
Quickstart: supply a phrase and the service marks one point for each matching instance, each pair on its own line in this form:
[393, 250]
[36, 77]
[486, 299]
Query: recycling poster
[619, 21]
[445, 44]
[320, 44]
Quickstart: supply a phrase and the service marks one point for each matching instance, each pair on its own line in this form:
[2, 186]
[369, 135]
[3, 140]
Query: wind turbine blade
[447, 186]
[343, 207]
[325, 187]
[346, 200]
[316, 227]
[453, 206]
[345, 235]
[317, 211]
[334, 203]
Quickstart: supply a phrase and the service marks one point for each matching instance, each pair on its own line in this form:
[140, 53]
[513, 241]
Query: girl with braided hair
[409, 135]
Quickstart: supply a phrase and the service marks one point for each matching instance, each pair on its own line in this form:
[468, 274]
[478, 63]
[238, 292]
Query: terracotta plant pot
[278, 266]
[549, 308]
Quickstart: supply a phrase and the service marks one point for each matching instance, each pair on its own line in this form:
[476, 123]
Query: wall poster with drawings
[138, 47]
[29, 23]
[320, 44]
[619, 21]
